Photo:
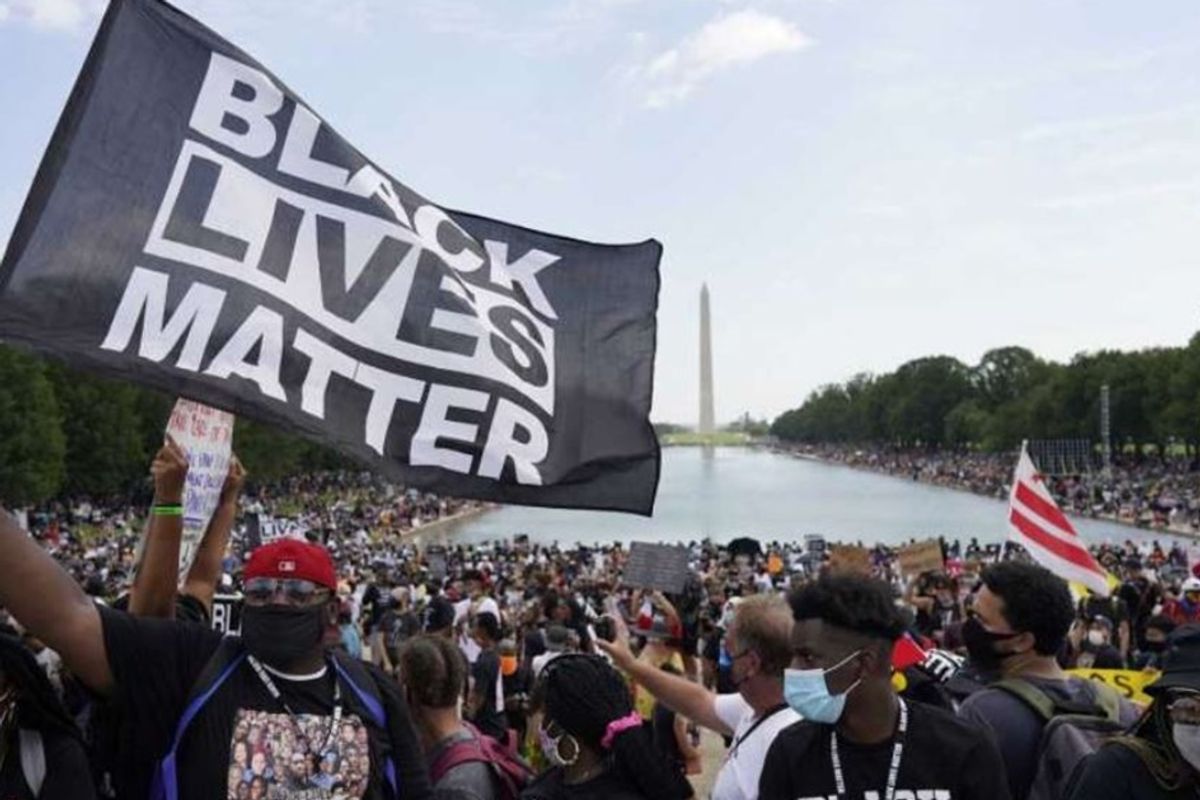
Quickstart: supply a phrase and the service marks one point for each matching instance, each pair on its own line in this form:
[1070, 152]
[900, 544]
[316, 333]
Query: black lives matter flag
[196, 227]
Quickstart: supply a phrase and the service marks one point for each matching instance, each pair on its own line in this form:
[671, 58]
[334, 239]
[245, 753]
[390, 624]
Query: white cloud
[59, 15]
[728, 41]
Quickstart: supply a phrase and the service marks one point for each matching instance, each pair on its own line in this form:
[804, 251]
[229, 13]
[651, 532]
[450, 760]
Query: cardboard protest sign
[229, 245]
[206, 436]
[848, 558]
[921, 557]
[656, 566]
[1131, 683]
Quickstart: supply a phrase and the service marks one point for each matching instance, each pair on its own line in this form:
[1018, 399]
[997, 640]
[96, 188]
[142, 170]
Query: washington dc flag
[1037, 524]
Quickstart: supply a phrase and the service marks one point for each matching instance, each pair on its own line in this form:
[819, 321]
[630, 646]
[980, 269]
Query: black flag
[195, 227]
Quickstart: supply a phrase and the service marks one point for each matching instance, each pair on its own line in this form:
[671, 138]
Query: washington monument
[706, 378]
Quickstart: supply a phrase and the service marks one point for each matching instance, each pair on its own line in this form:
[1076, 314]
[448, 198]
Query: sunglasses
[1184, 707]
[296, 591]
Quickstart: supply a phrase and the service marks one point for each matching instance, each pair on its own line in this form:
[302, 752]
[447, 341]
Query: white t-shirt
[462, 610]
[738, 778]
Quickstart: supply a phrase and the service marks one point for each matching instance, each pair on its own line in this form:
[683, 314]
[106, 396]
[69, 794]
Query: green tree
[32, 445]
[106, 450]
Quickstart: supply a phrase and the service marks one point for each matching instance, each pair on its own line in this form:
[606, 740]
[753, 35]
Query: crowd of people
[366, 666]
[1149, 491]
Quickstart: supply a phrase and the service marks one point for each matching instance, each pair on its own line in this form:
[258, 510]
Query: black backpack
[1072, 732]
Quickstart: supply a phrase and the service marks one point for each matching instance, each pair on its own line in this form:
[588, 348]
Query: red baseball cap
[292, 558]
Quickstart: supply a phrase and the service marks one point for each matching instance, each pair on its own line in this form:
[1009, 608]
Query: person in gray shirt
[433, 673]
[1022, 615]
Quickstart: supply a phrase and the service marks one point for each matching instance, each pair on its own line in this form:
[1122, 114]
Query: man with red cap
[274, 708]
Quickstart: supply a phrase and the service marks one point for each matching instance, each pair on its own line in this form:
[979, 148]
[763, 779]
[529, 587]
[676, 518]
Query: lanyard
[770, 712]
[273, 690]
[893, 771]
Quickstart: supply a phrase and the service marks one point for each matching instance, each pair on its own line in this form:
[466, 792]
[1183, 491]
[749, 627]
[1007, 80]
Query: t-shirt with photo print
[243, 744]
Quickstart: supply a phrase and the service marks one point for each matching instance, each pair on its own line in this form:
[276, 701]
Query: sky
[859, 182]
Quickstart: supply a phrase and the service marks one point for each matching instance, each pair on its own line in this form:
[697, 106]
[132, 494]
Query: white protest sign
[206, 436]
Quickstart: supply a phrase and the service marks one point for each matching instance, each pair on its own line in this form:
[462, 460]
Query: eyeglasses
[296, 591]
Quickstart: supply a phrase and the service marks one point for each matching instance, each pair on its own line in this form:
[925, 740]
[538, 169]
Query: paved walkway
[712, 752]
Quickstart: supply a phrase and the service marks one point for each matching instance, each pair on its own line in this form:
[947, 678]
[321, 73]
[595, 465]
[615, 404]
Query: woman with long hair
[1159, 758]
[593, 738]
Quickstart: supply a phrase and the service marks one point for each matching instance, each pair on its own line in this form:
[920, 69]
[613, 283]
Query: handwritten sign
[921, 557]
[206, 436]
[848, 558]
[657, 566]
[1131, 683]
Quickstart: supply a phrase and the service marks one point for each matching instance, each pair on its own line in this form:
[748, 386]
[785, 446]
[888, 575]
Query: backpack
[1072, 732]
[511, 772]
[228, 656]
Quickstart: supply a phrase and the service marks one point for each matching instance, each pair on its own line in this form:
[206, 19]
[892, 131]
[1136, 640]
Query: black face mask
[981, 644]
[282, 635]
[1155, 647]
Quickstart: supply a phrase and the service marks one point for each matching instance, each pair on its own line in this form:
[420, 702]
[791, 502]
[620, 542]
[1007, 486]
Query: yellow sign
[1129, 682]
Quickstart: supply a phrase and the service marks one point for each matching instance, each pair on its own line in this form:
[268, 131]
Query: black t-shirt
[943, 758]
[485, 673]
[67, 774]
[663, 724]
[242, 735]
[1116, 773]
[12, 778]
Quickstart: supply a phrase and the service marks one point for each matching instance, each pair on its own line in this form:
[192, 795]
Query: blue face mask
[807, 693]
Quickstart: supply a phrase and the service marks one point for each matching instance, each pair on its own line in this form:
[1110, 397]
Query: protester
[594, 740]
[1091, 645]
[432, 672]
[278, 668]
[42, 753]
[757, 639]
[1023, 613]
[1160, 757]
[858, 739]
[486, 699]
[556, 645]
[1154, 648]
[1185, 609]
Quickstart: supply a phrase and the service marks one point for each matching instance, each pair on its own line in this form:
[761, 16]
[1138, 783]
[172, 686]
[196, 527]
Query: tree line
[66, 433]
[1010, 395]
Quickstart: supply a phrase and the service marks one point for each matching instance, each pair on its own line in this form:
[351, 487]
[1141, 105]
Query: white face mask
[1187, 742]
[1097, 638]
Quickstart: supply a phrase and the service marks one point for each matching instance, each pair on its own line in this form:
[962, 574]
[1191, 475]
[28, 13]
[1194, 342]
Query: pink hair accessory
[619, 726]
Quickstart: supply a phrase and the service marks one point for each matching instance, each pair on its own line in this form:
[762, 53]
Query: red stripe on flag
[1077, 554]
[1043, 508]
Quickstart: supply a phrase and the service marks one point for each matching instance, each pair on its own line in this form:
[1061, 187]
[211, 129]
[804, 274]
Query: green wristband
[167, 510]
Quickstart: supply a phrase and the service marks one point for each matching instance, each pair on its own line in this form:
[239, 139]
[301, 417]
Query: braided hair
[1151, 741]
[583, 694]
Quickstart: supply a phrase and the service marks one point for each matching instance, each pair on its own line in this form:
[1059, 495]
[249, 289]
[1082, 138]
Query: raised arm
[202, 578]
[157, 578]
[49, 604]
[675, 692]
